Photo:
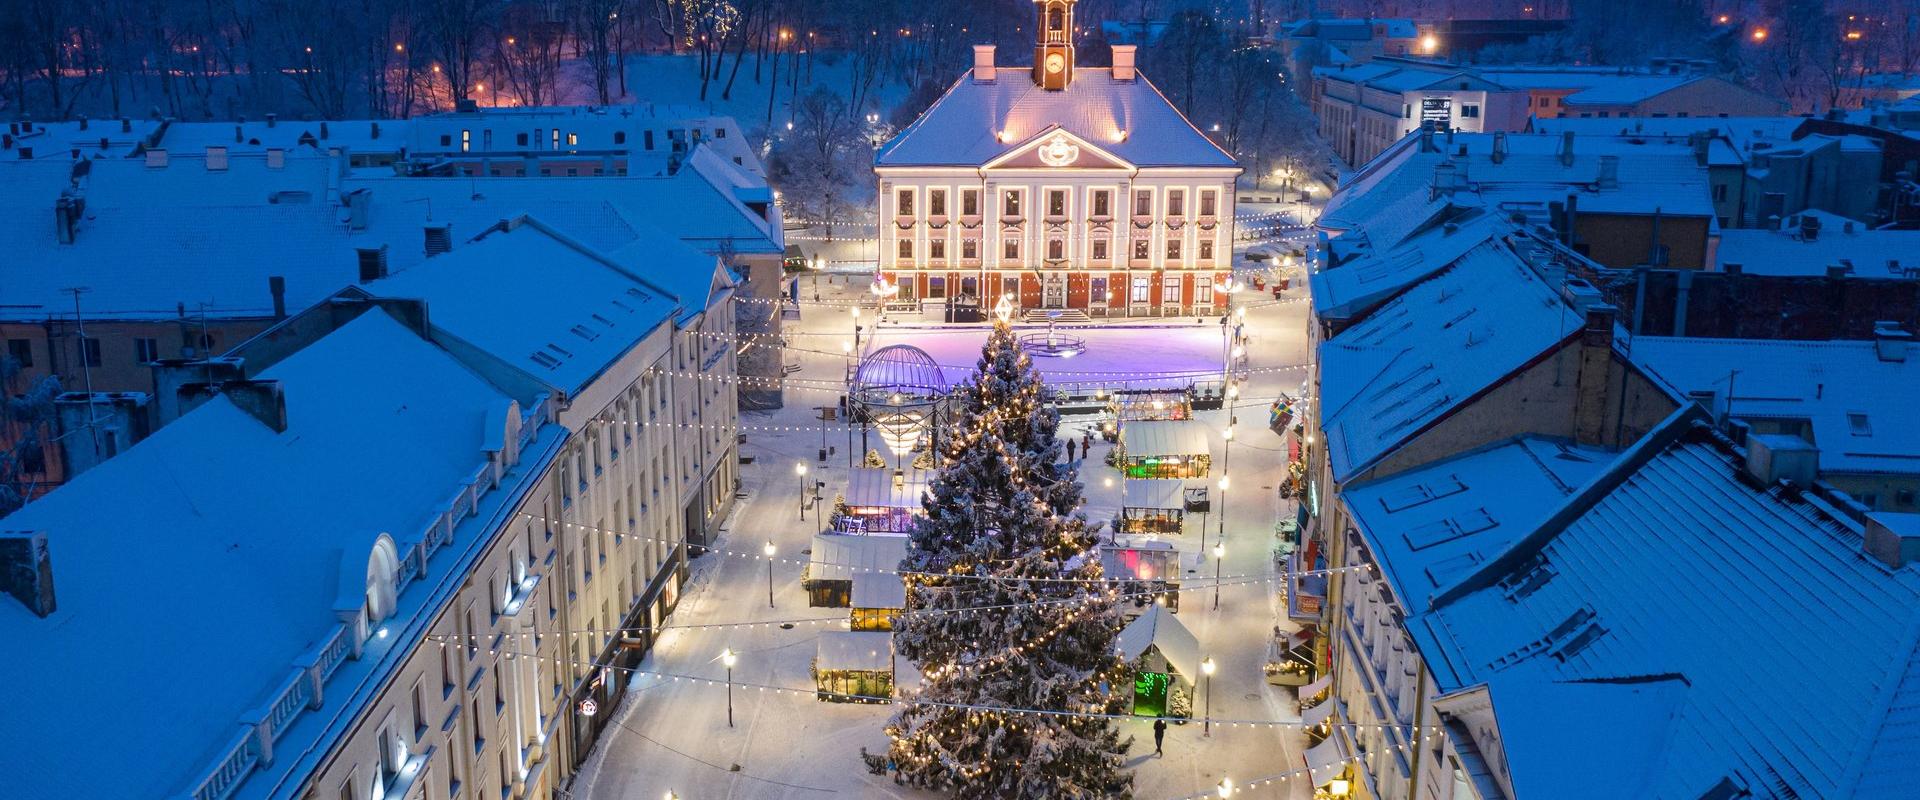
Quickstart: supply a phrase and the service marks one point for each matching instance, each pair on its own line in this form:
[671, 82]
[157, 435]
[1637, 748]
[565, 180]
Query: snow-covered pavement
[673, 735]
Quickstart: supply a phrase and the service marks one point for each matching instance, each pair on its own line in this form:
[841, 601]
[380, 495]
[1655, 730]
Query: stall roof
[838, 556]
[1327, 759]
[1155, 493]
[868, 651]
[1183, 437]
[876, 487]
[1159, 628]
[879, 590]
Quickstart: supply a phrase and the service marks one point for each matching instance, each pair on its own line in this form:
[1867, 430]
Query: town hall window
[1099, 249]
[1011, 251]
[1056, 249]
[1056, 203]
[1206, 249]
[906, 248]
[1206, 203]
[1099, 293]
[1140, 251]
[1141, 286]
[1170, 291]
[1102, 203]
[1011, 203]
[970, 202]
[1176, 203]
[969, 249]
[937, 249]
[1173, 250]
[903, 204]
[1143, 203]
[937, 202]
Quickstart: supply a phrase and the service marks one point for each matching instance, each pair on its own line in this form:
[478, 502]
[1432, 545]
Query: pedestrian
[1069, 451]
[1086, 441]
[1159, 735]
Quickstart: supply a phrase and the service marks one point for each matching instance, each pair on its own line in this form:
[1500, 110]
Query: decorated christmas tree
[1004, 535]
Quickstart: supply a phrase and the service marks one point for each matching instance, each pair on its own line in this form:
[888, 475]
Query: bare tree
[26, 420]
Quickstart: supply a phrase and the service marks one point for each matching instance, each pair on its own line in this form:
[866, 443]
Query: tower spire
[1053, 50]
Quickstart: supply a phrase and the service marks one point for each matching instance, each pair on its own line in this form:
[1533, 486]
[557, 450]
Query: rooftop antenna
[86, 366]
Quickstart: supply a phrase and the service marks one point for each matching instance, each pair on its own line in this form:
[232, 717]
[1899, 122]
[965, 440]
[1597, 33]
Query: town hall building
[1057, 186]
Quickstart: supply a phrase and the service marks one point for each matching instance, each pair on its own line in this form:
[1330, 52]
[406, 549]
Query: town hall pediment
[1056, 148]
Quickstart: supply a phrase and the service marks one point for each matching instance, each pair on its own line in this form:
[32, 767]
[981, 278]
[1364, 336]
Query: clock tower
[1053, 52]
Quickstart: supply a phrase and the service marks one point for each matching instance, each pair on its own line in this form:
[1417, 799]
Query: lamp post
[1224, 480]
[856, 326]
[1225, 788]
[1206, 672]
[769, 551]
[727, 657]
[800, 475]
[1219, 553]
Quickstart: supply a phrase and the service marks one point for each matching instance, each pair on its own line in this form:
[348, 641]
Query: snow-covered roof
[57, 141]
[1158, 628]
[238, 535]
[385, 136]
[1841, 242]
[1592, 87]
[876, 487]
[1859, 406]
[1163, 437]
[1424, 353]
[1741, 132]
[1369, 275]
[865, 651]
[564, 325]
[1154, 493]
[878, 590]
[1430, 526]
[840, 556]
[975, 122]
[1671, 568]
[153, 240]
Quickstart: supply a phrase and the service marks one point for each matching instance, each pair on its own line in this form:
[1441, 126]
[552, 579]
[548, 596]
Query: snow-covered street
[673, 735]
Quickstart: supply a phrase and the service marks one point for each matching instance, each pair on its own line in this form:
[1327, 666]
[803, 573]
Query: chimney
[26, 570]
[983, 63]
[126, 125]
[1609, 172]
[1890, 342]
[1893, 539]
[1594, 396]
[1566, 148]
[276, 158]
[277, 286]
[265, 400]
[83, 122]
[1123, 70]
[357, 202]
[1499, 147]
[216, 158]
[373, 263]
[1776, 457]
[157, 158]
[1838, 271]
[1732, 268]
[1809, 227]
[323, 129]
[272, 118]
[26, 154]
[439, 239]
[376, 130]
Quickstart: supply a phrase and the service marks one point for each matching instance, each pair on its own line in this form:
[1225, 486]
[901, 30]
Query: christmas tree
[1004, 536]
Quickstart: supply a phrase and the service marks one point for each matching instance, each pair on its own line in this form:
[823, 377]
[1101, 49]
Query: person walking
[1070, 458]
[1159, 735]
[1086, 441]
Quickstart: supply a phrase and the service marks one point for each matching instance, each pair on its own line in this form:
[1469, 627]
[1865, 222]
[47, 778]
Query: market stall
[838, 557]
[1153, 505]
[881, 501]
[1128, 405]
[853, 666]
[1147, 571]
[878, 597]
[1166, 662]
[1163, 449]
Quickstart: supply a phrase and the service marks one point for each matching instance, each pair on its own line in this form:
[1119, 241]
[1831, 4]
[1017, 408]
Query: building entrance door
[1054, 291]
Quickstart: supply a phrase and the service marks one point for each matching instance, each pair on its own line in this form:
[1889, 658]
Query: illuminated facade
[1058, 186]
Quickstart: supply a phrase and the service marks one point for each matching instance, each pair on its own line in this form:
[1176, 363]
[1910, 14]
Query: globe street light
[769, 551]
[800, 476]
[1206, 672]
[727, 657]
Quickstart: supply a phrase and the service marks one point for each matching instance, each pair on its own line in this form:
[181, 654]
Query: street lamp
[1206, 714]
[1225, 788]
[1219, 552]
[856, 325]
[727, 657]
[800, 475]
[769, 551]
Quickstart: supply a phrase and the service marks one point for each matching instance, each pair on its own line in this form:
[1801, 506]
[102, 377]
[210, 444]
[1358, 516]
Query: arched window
[383, 567]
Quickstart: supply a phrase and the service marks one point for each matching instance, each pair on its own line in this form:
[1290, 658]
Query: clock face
[1056, 62]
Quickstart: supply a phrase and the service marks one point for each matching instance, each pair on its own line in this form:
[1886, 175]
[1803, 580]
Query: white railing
[260, 726]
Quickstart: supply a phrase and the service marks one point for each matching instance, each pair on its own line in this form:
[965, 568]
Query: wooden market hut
[1164, 449]
[1147, 571]
[1153, 505]
[1166, 662]
[853, 666]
